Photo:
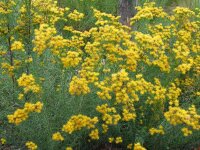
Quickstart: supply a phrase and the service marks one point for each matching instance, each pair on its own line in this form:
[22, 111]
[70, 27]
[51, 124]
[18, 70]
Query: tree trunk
[127, 10]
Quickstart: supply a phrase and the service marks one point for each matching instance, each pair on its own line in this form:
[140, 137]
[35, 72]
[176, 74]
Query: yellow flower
[118, 140]
[18, 116]
[17, 45]
[153, 131]
[186, 131]
[78, 86]
[127, 116]
[23, 114]
[68, 148]
[105, 128]
[29, 60]
[20, 96]
[31, 146]
[57, 137]
[71, 60]
[110, 139]
[3, 141]
[75, 15]
[129, 146]
[28, 83]
[78, 122]
[138, 146]
[94, 134]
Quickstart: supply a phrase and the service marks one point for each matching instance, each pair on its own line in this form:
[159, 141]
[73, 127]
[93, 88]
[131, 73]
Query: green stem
[11, 55]
[29, 26]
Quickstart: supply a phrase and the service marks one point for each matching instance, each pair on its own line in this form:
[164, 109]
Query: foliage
[65, 86]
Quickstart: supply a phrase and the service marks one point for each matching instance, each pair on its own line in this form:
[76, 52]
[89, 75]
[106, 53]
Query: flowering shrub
[135, 84]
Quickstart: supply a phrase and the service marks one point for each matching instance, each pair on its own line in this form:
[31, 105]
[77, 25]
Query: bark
[127, 10]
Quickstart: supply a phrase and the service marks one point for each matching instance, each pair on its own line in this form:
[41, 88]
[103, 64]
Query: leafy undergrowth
[106, 86]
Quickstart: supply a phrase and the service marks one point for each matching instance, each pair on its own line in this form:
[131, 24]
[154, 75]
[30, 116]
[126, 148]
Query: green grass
[59, 106]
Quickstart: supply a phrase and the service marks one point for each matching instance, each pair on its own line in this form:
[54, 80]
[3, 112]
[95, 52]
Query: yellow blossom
[94, 134]
[20, 96]
[17, 45]
[3, 141]
[31, 146]
[118, 140]
[57, 137]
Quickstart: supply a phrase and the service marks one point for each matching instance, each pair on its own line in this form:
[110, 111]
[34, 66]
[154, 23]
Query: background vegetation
[59, 104]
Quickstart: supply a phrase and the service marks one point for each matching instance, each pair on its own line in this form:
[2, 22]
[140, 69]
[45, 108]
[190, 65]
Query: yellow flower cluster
[127, 69]
[28, 83]
[186, 131]
[47, 11]
[31, 146]
[117, 140]
[109, 115]
[160, 130]
[148, 11]
[101, 21]
[8, 69]
[78, 86]
[177, 115]
[76, 16]
[71, 60]
[137, 146]
[3, 141]
[173, 95]
[139, 85]
[6, 7]
[42, 37]
[125, 65]
[68, 148]
[23, 114]
[117, 85]
[17, 45]
[57, 137]
[127, 115]
[94, 134]
[57, 43]
[20, 96]
[105, 128]
[78, 122]
[185, 67]
[183, 13]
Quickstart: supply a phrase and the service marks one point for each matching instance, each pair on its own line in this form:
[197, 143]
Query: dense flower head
[9, 69]
[134, 79]
[68, 148]
[42, 37]
[118, 140]
[181, 12]
[3, 141]
[94, 134]
[17, 45]
[31, 146]
[78, 122]
[149, 11]
[138, 146]
[153, 131]
[177, 115]
[79, 86]
[28, 83]
[75, 15]
[57, 137]
[71, 60]
[21, 115]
